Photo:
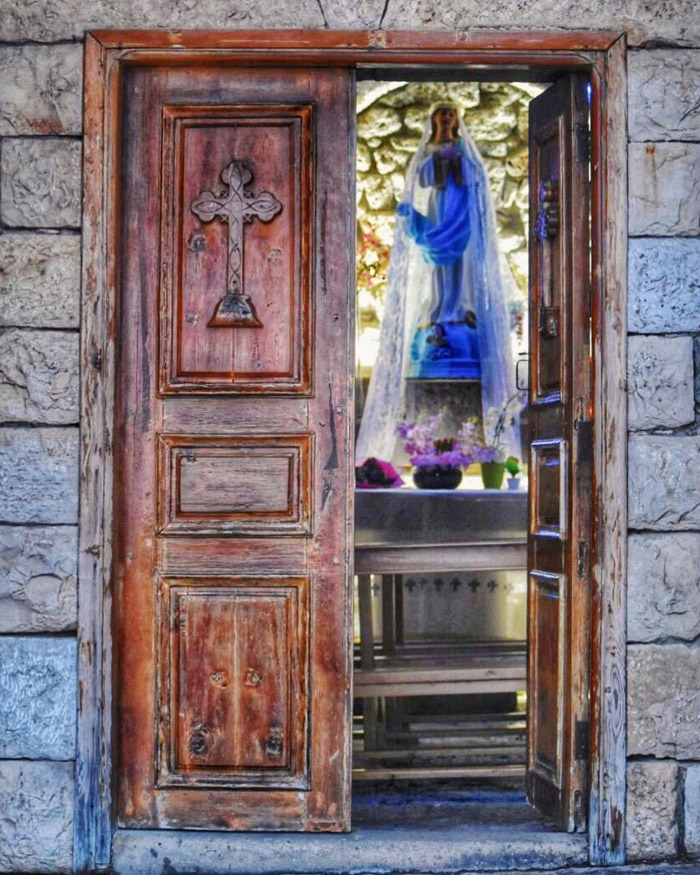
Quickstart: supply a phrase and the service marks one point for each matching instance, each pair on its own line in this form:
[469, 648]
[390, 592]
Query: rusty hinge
[583, 427]
[581, 733]
[583, 139]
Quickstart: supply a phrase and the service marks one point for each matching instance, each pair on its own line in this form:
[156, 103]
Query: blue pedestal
[445, 351]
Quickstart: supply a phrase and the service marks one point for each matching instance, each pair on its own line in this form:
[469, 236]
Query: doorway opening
[205, 412]
[440, 718]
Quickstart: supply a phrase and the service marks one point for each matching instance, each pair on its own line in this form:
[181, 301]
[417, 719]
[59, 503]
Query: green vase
[492, 474]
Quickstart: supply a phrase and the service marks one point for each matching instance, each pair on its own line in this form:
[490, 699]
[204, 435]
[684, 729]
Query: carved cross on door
[235, 206]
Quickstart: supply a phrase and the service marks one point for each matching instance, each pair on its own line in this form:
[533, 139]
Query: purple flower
[425, 448]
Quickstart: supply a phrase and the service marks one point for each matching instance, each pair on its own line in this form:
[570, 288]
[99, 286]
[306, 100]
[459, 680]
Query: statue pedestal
[445, 351]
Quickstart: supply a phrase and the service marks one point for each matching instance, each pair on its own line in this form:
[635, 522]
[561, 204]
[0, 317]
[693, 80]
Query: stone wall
[40, 128]
[663, 662]
[40, 194]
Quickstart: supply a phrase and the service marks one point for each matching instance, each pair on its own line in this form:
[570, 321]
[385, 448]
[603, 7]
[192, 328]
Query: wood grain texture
[274, 142]
[560, 403]
[234, 485]
[275, 480]
[609, 557]
[230, 555]
[232, 690]
[365, 44]
[199, 415]
[548, 608]
[93, 775]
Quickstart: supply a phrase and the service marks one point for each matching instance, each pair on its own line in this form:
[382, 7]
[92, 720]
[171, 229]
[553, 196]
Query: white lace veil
[486, 279]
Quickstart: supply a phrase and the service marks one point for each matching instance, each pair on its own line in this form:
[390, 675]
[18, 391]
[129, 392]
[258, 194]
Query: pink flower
[425, 448]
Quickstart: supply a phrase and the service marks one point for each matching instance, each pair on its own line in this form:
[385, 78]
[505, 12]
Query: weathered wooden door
[560, 453]
[233, 500]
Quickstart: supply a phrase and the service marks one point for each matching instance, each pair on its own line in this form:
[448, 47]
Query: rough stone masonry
[40, 205]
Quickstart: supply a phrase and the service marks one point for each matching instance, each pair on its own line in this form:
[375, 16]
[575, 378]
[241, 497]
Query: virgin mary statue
[445, 314]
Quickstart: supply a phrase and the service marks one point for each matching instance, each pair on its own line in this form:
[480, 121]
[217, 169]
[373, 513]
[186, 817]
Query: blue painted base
[445, 351]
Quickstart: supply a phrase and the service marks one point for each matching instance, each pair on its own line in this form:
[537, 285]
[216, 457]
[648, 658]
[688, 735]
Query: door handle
[523, 360]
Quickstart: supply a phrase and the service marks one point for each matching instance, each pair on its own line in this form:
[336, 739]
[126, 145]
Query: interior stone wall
[40, 193]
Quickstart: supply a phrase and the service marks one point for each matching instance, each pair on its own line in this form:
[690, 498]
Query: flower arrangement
[486, 444]
[425, 449]
[372, 263]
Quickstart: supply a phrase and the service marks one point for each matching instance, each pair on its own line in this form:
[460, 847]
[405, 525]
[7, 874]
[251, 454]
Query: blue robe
[444, 238]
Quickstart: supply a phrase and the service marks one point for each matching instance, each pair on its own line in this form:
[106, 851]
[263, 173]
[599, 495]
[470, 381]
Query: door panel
[560, 460]
[233, 689]
[273, 249]
[234, 485]
[233, 545]
[548, 659]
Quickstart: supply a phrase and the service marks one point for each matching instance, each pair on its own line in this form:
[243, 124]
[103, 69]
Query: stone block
[36, 826]
[663, 580]
[652, 803]
[663, 700]
[40, 280]
[660, 382]
[39, 376]
[38, 475]
[670, 21]
[53, 20]
[38, 575]
[358, 14]
[663, 483]
[664, 189]
[40, 185]
[691, 812]
[41, 89]
[664, 286]
[663, 87]
[378, 121]
[38, 684]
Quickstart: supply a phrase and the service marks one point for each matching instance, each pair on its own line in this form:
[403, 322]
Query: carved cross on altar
[236, 205]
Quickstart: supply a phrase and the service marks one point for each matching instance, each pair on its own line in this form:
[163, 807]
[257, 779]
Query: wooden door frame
[107, 53]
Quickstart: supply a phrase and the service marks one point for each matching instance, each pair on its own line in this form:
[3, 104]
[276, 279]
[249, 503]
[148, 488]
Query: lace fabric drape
[408, 302]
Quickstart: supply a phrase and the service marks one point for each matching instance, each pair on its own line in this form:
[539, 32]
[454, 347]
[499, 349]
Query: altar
[441, 606]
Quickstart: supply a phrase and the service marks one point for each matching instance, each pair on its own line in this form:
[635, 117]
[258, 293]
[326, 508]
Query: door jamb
[601, 53]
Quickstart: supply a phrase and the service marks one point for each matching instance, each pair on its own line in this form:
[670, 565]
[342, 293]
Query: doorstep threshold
[517, 842]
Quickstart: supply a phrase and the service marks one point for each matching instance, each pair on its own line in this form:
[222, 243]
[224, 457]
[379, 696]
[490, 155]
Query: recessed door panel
[237, 239]
[548, 252]
[234, 485]
[233, 689]
[549, 489]
[559, 541]
[547, 639]
[232, 464]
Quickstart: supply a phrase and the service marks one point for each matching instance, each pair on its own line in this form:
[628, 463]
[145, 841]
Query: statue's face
[445, 122]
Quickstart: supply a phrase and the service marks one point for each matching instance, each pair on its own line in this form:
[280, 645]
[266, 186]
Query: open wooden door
[233, 479]
[560, 453]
